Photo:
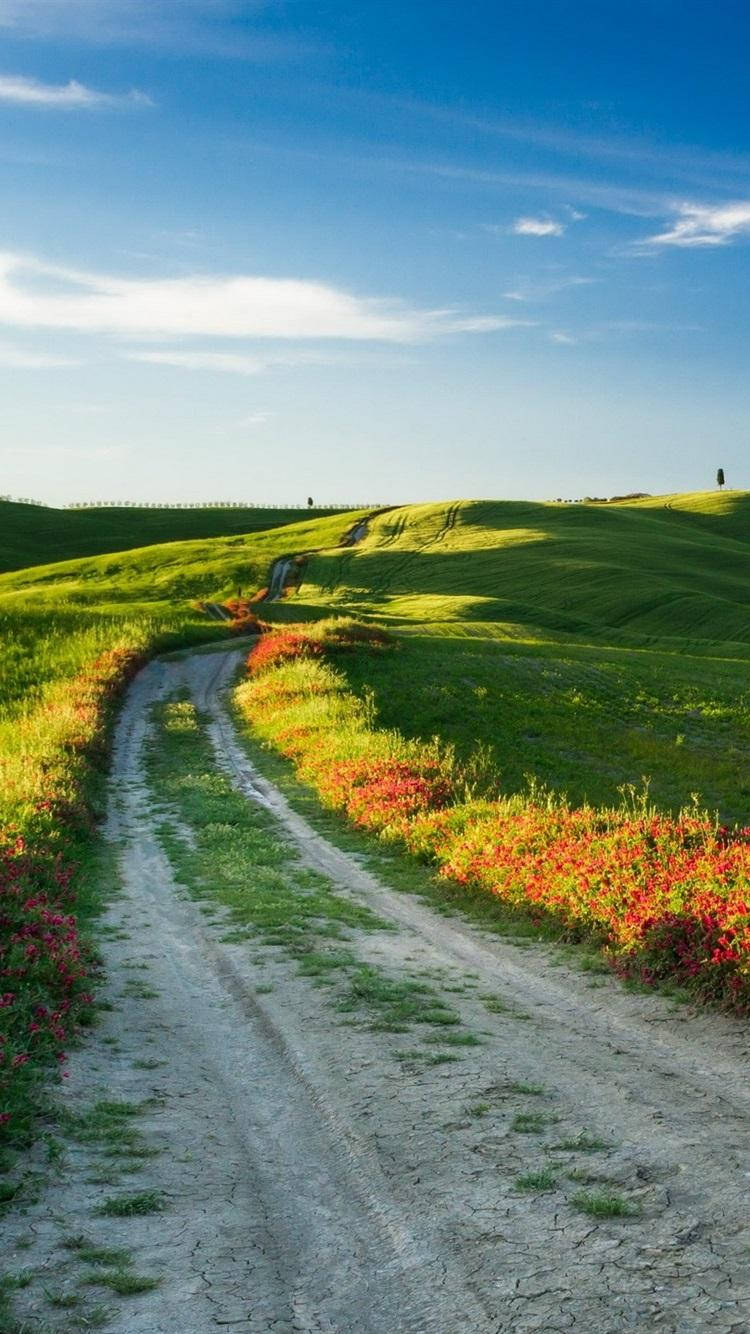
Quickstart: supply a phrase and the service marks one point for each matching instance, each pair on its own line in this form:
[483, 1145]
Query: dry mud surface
[316, 1180]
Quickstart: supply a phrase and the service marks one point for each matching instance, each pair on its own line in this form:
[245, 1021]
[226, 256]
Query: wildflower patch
[667, 898]
[46, 801]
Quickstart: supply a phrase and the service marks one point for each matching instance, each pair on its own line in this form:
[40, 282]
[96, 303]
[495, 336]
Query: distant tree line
[199, 505]
[25, 500]
[603, 500]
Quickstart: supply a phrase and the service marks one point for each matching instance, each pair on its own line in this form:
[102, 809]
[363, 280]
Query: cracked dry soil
[324, 1177]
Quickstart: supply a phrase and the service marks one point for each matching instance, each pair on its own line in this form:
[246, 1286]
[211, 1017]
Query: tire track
[670, 1091]
[327, 1247]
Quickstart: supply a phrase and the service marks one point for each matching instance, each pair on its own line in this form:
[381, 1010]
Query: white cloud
[540, 291]
[537, 227]
[34, 294]
[19, 358]
[91, 454]
[255, 419]
[703, 225]
[71, 96]
[559, 337]
[211, 27]
[237, 363]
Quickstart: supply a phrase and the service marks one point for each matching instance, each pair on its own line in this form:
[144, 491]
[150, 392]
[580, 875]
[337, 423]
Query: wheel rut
[665, 1088]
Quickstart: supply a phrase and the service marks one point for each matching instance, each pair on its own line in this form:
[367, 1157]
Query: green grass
[532, 1182]
[529, 1123]
[98, 1255]
[35, 535]
[171, 572]
[121, 1281]
[55, 618]
[133, 1205]
[583, 1143]
[674, 567]
[602, 1205]
[56, 623]
[586, 646]
[237, 858]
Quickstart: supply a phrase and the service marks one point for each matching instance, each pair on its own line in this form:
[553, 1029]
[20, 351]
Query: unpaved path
[282, 566]
[314, 1181]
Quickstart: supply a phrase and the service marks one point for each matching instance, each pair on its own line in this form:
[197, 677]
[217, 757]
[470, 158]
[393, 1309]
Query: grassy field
[35, 535]
[665, 897]
[579, 649]
[71, 635]
[54, 618]
[582, 719]
[587, 646]
[678, 569]
[170, 572]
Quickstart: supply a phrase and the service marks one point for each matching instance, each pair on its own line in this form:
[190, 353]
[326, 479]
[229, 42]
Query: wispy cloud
[557, 336]
[537, 227]
[89, 454]
[705, 225]
[212, 27]
[24, 359]
[703, 167]
[260, 363]
[542, 290]
[254, 419]
[35, 294]
[72, 96]
[235, 363]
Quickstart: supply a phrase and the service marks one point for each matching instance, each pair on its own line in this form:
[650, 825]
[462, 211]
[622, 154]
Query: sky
[373, 251]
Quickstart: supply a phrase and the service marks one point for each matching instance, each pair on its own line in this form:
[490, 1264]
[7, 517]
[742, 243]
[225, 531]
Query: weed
[602, 1205]
[129, 1206]
[121, 1281]
[529, 1123]
[98, 1255]
[542, 1180]
[582, 1143]
[65, 1301]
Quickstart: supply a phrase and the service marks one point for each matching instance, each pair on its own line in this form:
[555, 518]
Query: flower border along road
[667, 898]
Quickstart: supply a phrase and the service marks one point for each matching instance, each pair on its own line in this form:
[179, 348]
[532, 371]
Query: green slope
[676, 568]
[53, 618]
[588, 646]
[33, 535]
[173, 571]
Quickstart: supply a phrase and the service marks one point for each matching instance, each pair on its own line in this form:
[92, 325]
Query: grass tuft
[602, 1205]
[133, 1205]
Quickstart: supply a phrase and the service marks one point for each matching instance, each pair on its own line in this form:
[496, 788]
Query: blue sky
[372, 251]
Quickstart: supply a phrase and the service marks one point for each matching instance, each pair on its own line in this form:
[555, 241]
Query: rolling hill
[35, 535]
[588, 646]
[677, 568]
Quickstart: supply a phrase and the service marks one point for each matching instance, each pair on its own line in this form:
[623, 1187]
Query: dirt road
[324, 1177]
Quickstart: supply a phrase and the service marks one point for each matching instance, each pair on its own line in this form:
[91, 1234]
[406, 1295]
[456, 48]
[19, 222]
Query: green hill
[585, 645]
[35, 535]
[172, 572]
[55, 617]
[587, 648]
[678, 567]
